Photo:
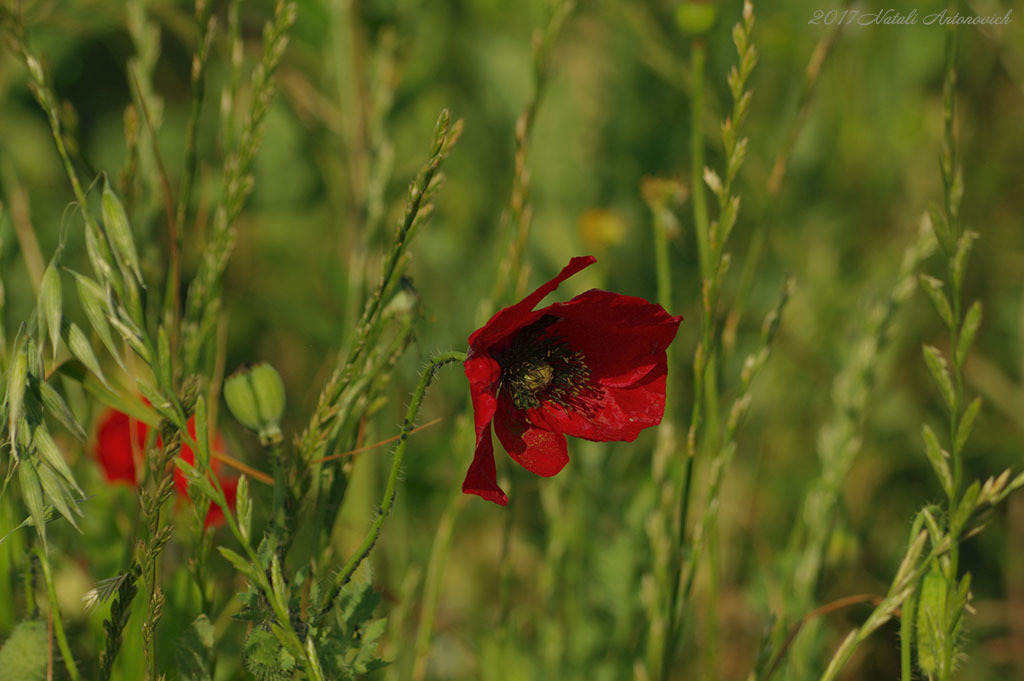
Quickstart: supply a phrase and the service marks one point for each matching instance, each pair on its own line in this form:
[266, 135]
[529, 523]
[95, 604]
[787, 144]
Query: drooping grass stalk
[345, 574]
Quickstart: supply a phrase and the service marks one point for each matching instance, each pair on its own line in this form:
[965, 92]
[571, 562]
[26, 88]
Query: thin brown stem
[838, 604]
[172, 228]
[367, 448]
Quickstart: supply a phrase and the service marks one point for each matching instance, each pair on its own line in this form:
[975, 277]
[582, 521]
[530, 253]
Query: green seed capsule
[695, 19]
[255, 396]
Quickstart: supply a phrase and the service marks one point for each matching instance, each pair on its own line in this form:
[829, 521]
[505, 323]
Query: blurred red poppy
[593, 367]
[120, 442]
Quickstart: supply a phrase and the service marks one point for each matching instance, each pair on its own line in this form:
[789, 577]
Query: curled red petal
[537, 450]
[515, 316]
[481, 478]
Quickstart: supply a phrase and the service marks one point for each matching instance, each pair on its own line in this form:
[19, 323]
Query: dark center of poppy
[538, 366]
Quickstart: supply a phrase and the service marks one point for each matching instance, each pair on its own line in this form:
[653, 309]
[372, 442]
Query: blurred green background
[362, 83]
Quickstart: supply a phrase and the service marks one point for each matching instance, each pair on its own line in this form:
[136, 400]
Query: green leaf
[96, 304]
[194, 649]
[17, 376]
[50, 306]
[196, 479]
[100, 257]
[241, 564]
[933, 287]
[32, 493]
[940, 372]
[24, 654]
[163, 358]
[243, 507]
[120, 232]
[938, 459]
[931, 618]
[366, 659]
[972, 320]
[942, 230]
[58, 408]
[156, 399]
[289, 643]
[202, 434]
[963, 252]
[265, 657]
[964, 509]
[130, 335]
[81, 348]
[58, 494]
[128, 404]
[277, 580]
[50, 453]
[966, 425]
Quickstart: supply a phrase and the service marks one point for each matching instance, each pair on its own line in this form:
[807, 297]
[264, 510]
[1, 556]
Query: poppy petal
[622, 338]
[481, 478]
[515, 316]
[619, 416]
[537, 450]
[623, 341]
[117, 440]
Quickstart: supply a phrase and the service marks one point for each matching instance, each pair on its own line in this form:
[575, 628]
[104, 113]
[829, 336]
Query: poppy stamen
[538, 366]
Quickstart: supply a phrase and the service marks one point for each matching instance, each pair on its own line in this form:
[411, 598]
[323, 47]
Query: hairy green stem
[343, 577]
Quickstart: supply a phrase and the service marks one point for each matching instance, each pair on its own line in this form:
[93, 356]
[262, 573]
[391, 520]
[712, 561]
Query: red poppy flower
[120, 442]
[593, 367]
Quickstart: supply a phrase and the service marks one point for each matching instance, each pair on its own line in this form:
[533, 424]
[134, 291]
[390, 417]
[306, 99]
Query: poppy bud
[255, 396]
[695, 18]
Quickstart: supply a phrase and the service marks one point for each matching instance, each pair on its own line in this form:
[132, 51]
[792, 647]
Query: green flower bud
[696, 18]
[255, 396]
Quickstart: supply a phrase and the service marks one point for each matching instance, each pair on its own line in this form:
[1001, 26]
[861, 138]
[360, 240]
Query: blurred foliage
[361, 77]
